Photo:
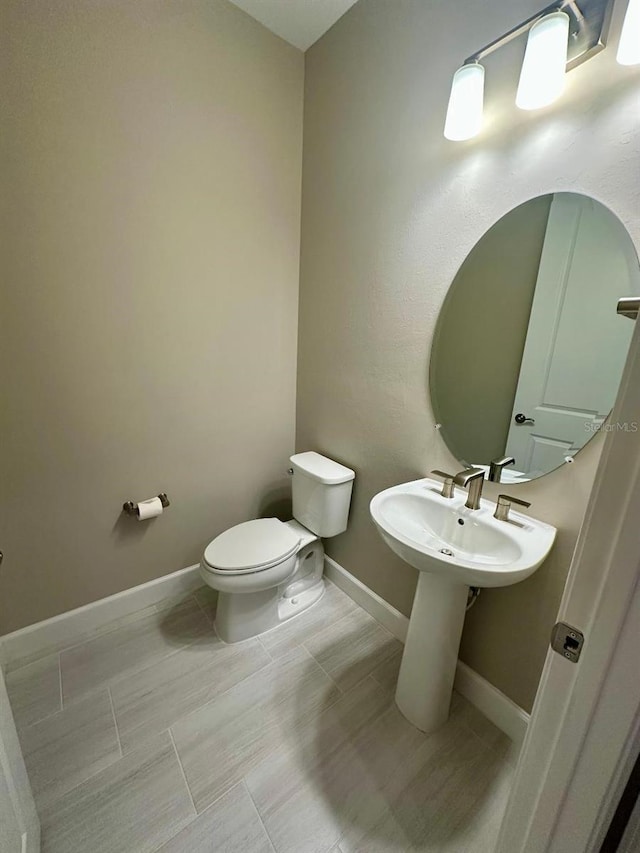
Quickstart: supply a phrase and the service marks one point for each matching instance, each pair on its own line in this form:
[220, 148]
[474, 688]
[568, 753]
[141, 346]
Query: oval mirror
[528, 349]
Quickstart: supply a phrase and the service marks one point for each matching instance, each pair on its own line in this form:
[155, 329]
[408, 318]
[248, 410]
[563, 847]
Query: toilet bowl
[267, 571]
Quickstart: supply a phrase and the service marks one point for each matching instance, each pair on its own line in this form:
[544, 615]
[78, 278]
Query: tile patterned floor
[156, 736]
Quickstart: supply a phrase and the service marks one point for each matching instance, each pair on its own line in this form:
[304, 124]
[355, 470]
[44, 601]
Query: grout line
[317, 662]
[207, 616]
[94, 634]
[204, 811]
[491, 747]
[111, 627]
[372, 677]
[272, 657]
[81, 638]
[91, 773]
[23, 728]
[266, 832]
[224, 692]
[184, 775]
[477, 737]
[109, 682]
[115, 722]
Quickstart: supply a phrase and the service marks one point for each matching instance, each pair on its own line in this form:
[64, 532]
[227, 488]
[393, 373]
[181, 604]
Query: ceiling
[300, 22]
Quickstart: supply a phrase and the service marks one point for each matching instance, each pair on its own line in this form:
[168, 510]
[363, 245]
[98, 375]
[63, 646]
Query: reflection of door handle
[523, 419]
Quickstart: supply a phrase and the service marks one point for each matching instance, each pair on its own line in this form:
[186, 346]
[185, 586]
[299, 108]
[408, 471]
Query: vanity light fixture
[629, 46]
[545, 62]
[466, 102]
[560, 37]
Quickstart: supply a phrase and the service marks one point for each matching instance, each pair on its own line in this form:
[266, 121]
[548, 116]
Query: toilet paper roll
[149, 509]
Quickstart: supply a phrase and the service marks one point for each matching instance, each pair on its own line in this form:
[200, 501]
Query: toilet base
[240, 617]
[290, 607]
[244, 614]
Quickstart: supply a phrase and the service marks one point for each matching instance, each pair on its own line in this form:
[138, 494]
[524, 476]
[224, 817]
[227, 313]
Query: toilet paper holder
[131, 508]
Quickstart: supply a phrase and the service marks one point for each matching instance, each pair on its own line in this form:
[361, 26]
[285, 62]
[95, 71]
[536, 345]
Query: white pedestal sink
[452, 547]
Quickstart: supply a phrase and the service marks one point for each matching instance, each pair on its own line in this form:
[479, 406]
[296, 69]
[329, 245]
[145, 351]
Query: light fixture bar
[588, 28]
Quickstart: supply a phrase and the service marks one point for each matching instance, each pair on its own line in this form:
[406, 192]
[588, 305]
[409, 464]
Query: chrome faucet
[496, 466]
[473, 478]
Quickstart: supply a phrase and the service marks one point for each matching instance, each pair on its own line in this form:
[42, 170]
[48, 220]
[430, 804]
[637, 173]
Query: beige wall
[488, 302]
[151, 169]
[390, 210]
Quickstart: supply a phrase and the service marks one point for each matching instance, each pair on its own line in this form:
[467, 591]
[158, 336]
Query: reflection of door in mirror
[576, 345]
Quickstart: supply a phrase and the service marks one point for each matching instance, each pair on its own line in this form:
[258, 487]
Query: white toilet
[266, 570]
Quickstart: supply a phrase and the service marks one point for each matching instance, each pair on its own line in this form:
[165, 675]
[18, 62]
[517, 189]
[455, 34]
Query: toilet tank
[321, 493]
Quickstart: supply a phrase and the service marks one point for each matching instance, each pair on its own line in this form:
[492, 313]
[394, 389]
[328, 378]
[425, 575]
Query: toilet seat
[252, 546]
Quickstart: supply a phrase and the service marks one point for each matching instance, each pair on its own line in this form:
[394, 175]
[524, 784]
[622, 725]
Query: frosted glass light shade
[545, 62]
[464, 113]
[629, 46]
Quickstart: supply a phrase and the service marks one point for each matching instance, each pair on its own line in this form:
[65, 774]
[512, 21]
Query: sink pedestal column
[428, 666]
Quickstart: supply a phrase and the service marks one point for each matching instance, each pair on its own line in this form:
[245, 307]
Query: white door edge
[560, 757]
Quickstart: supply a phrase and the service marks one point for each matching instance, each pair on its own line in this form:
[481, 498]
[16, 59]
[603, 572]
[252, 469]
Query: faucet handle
[504, 505]
[448, 489]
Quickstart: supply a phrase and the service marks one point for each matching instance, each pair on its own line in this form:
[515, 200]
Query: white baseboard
[497, 707]
[71, 627]
[390, 618]
[502, 711]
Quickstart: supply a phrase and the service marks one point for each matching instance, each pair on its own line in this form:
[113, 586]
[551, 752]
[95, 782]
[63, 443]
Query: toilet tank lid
[321, 468]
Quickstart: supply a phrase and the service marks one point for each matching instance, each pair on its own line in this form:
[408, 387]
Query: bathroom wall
[390, 210]
[492, 298]
[151, 169]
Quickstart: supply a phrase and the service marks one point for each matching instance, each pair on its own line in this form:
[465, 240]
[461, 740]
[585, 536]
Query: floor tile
[444, 807]
[349, 649]
[230, 825]
[294, 734]
[148, 702]
[82, 637]
[489, 733]
[134, 806]
[34, 690]
[345, 794]
[386, 673]
[353, 786]
[479, 724]
[223, 740]
[207, 598]
[65, 749]
[133, 646]
[284, 786]
[332, 606]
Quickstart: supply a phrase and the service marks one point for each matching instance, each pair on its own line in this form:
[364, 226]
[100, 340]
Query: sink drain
[447, 552]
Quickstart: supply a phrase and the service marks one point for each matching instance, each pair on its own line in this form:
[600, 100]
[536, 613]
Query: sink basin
[440, 535]
[452, 547]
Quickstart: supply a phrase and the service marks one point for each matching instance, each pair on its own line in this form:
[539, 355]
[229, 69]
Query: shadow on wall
[276, 503]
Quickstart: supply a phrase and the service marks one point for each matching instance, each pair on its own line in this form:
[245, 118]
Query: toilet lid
[252, 545]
